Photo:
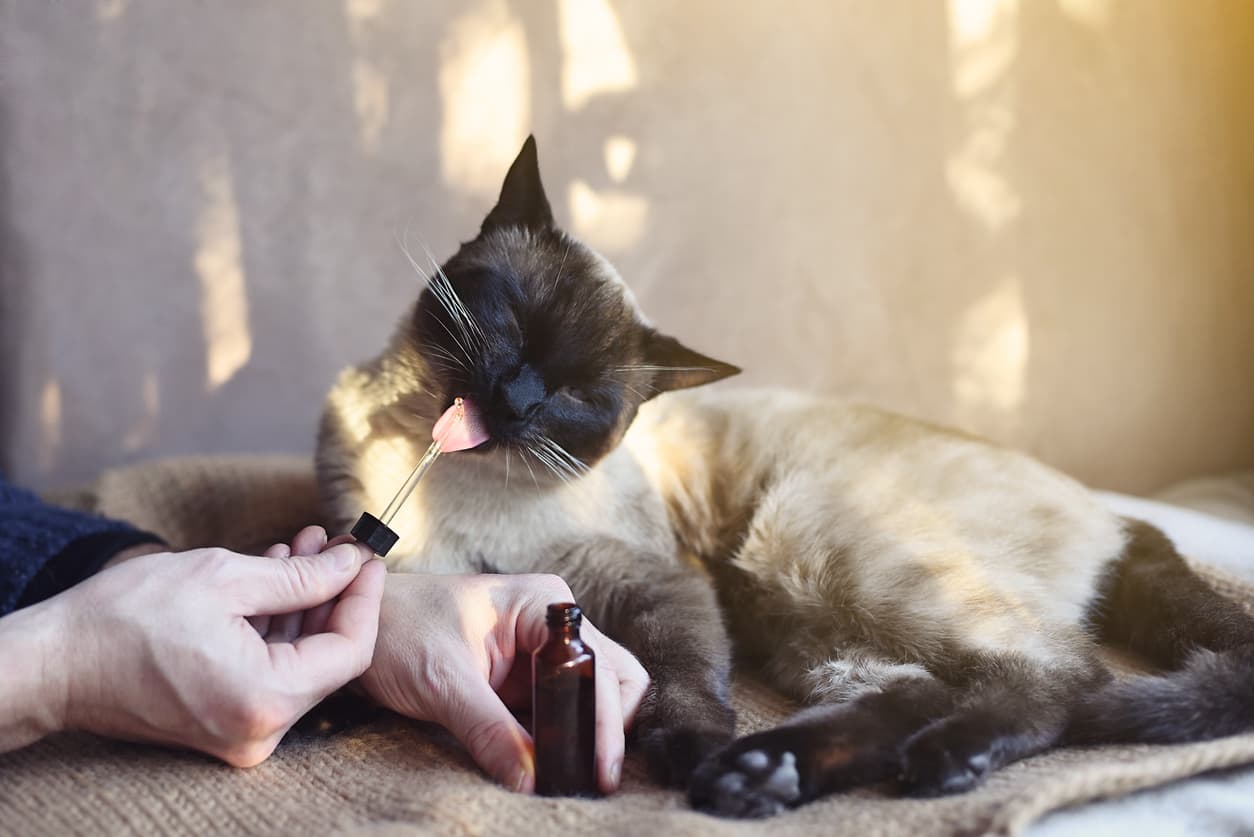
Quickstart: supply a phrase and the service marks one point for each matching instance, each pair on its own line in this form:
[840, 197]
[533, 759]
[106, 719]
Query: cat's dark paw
[749, 780]
[673, 754]
[944, 758]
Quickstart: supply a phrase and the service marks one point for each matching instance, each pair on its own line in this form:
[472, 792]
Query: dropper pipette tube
[393, 507]
[376, 532]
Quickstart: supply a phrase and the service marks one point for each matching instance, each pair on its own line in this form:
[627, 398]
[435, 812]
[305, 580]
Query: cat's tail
[1212, 696]
[1154, 605]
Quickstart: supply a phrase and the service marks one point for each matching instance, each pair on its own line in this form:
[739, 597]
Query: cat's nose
[523, 394]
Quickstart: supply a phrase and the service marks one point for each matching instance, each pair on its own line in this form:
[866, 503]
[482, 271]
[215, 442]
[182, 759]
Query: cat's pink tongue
[460, 428]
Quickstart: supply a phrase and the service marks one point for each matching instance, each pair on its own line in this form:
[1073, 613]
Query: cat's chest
[457, 525]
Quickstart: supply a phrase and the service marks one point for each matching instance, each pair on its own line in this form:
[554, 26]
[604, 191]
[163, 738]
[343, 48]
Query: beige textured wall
[1032, 219]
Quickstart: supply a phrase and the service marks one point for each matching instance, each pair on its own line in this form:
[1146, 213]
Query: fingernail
[526, 771]
[345, 557]
[615, 769]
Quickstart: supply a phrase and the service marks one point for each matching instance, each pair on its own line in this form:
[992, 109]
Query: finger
[316, 619]
[494, 739]
[339, 539]
[515, 691]
[609, 727]
[297, 583]
[633, 683]
[329, 660]
[279, 550]
[261, 623]
[286, 627]
[309, 541]
[633, 680]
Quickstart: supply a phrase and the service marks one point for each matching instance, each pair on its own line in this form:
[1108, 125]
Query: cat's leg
[1008, 707]
[667, 615]
[1153, 604]
[827, 748]
[932, 736]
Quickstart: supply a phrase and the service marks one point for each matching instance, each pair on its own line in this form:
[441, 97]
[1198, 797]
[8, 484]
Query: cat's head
[542, 334]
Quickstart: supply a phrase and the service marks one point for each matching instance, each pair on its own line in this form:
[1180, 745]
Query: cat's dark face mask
[542, 335]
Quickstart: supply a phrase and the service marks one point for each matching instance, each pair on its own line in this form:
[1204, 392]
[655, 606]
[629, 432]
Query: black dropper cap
[375, 534]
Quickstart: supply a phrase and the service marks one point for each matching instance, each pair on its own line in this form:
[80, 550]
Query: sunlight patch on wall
[974, 170]
[110, 10]
[620, 154]
[370, 100]
[359, 11]
[50, 426]
[596, 59]
[983, 47]
[223, 297]
[485, 79]
[607, 220]
[371, 90]
[983, 43]
[145, 430]
[990, 353]
[1091, 13]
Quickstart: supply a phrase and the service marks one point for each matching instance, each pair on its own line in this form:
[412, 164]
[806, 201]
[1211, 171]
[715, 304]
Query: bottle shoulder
[560, 652]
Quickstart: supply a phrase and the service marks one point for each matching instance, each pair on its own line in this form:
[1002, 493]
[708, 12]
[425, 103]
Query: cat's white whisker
[443, 292]
[635, 391]
[523, 456]
[460, 345]
[558, 276]
[649, 367]
[441, 295]
[441, 352]
[565, 461]
[549, 461]
[507, 468]
[426, 277]
[441, 286]
[464, 312]
[545, 463]
[575, 462]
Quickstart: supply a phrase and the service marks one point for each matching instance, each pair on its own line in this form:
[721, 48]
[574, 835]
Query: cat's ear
[675, 366]
[522, 202]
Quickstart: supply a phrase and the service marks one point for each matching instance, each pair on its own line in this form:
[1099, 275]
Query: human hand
[456, 650]
[160, 648]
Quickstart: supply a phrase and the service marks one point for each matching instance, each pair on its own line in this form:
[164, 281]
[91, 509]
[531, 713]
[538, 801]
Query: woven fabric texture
[388, 776]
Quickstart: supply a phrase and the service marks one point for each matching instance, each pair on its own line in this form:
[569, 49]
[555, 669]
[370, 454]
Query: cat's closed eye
[574, 394]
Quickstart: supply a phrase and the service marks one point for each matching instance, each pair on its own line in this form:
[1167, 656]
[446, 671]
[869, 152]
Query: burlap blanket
[392, 776]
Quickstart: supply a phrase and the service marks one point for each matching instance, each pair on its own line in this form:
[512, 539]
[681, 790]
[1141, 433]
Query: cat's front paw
[673, 754]
[749, 780]
[946, 757]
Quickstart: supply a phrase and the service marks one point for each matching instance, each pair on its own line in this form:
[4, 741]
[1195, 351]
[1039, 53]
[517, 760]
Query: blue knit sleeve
[45, 549]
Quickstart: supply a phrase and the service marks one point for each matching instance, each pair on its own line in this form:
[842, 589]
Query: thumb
[284, 585]
[496, 741]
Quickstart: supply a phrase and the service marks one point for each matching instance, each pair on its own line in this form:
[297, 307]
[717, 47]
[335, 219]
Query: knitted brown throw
[390, 776]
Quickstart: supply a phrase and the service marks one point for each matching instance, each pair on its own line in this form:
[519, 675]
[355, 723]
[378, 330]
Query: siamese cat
[937, 600]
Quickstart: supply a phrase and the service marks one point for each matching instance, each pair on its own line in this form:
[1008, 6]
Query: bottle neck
[565, 634]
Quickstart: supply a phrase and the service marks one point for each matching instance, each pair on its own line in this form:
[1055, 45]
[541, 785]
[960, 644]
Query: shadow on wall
[862, 218]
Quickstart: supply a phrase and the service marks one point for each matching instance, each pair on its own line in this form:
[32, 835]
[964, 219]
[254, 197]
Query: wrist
[34, 695]
[133, 552]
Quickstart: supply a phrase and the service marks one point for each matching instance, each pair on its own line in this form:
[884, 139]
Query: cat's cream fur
[938, 599]
[817, 499]
[937, 537]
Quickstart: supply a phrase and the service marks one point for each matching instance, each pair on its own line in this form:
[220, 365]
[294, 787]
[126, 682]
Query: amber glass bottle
[564, 708]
